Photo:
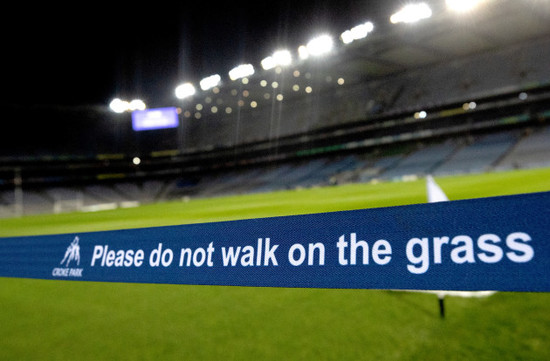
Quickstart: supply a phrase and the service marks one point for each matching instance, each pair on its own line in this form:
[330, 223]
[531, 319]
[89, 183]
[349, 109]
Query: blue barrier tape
[500, 243]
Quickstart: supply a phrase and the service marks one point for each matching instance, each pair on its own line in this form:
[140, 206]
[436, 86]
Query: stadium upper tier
[280, 106]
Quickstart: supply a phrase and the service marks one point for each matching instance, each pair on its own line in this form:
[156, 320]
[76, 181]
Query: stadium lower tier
[497, 151]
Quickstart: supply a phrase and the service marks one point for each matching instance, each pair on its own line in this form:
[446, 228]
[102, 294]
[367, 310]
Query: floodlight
[210, 82]
[462, 5]
[241, 71]
[420, 115]
[357, 32]
[185, 90]
[319, 45]
[282, 57]
[119, 106]
[279, 58]
[411, 13]
[302, 52]
[268, 63]
[137, 104]
[347, 37]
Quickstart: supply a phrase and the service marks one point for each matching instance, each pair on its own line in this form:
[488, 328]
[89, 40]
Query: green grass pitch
[60, 320]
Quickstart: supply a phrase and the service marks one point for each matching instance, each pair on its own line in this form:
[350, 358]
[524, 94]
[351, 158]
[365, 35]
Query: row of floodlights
[120, 106]
[323, 44]
[318, 46]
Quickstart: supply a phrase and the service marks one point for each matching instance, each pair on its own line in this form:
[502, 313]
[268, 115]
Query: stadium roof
[447, 35]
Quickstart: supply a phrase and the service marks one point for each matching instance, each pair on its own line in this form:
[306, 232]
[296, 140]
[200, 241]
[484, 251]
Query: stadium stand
[421, 162]
[480, 155]
[531, 151]
[526, 148]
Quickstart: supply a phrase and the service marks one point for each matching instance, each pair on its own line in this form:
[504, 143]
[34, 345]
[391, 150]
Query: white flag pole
[436, 194]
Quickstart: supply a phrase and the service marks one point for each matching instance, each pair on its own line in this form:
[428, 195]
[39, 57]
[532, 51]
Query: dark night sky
[88, 53]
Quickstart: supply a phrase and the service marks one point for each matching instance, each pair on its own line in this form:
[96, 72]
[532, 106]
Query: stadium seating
[421, 162]
[531, 151]
[480, 155]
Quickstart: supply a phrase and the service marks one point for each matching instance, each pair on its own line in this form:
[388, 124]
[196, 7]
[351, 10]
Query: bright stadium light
[185, 90]
[279, 58]
[302, 52]
[210, 82]
[282, 57]
[411, 13]
[462, 6]
[347, 37]
[119, 106]
[420, 115]
[268, 63]
[357, 32]
[137, 104]
[319, 45]
[241, 71]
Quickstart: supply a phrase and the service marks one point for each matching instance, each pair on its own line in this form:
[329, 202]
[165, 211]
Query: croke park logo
[72, 256]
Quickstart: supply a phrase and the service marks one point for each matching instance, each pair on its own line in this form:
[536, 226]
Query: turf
[59, 320]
